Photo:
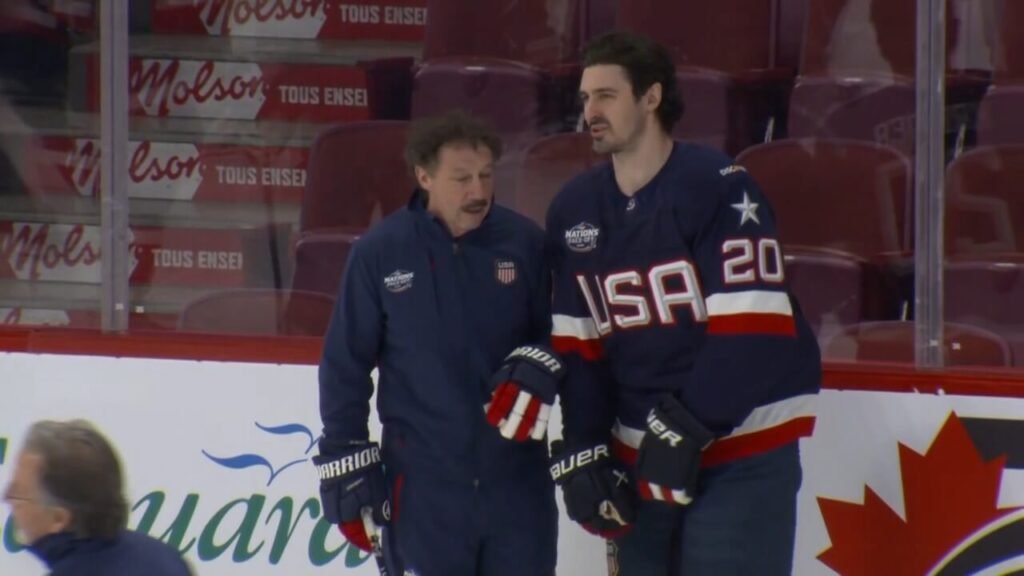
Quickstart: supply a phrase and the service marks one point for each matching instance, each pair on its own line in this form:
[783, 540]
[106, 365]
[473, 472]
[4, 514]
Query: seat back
[261, 312]
[538, 32]
[893, 342]
[547, 165]
[320, 259]
[984, 203]
[836, 194]
[727, 35]
[356, 175]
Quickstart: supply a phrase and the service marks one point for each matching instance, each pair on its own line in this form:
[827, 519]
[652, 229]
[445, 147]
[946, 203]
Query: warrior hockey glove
[350, 481]
[669, 456]
[596, 489]
[522, 392]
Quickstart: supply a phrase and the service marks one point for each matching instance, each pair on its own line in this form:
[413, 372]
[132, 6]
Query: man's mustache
[475, 205]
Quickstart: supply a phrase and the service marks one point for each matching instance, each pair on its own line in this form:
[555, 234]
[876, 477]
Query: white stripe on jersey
[749, 302]
[761, 418]
[573, 327]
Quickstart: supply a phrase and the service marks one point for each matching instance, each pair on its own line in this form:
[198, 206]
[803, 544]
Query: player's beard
[611, 143]
[602, 144]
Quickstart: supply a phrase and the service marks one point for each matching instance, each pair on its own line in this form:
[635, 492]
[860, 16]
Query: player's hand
[668, 459]
[351, 480]
[595, 487]
[522, 392]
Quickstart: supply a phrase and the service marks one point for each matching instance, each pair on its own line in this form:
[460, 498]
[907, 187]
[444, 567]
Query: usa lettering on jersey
[630, 299]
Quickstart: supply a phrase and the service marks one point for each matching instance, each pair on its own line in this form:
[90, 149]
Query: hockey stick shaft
[374, 534]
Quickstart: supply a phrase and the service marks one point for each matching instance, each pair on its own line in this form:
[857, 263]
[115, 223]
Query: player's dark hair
[646, 62]
[428, 135]
[80, 472]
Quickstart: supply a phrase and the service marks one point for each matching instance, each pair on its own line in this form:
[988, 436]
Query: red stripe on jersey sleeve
[590, 350]
[770, 324]
[733, 448]
[729, 449]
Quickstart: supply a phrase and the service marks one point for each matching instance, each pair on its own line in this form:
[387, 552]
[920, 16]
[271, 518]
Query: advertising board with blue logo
[217, 458]
[218, 464]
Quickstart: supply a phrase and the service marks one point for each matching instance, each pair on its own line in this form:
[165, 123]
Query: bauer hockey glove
[350, 481]
[522, 392]
[596, 489]
[669, 456]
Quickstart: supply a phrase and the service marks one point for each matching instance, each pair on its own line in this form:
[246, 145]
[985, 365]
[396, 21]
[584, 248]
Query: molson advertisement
[180, 171]
[394, 20]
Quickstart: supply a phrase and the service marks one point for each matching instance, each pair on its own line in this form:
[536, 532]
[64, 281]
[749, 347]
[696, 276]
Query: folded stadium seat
[599, 18]
[258, 312]
[356, 175]
[733, 90]
[893, 342]
[792, 18]
[506, 60]
[871, 109]
[320, 258]
[987, 291]
[984, 205]
[547, 165]
[829, 285]
[1000, 119]
[509, 94]
[857, 74]
[843, 210]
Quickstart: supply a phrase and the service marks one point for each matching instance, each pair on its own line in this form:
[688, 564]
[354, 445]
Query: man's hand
[596, 489]
[668, 459]
[351, 480]
[522, 392]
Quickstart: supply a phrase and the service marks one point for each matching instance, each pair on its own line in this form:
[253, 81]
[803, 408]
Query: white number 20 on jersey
[746, 263]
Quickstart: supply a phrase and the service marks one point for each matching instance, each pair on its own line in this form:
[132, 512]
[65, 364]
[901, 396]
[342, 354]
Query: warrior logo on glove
[523, 390]
[351, 483]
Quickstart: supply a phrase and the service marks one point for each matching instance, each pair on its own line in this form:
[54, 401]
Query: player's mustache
[597, 122]
[475, 205]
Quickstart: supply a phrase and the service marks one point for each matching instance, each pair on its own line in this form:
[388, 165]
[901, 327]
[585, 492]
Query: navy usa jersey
[679, 289]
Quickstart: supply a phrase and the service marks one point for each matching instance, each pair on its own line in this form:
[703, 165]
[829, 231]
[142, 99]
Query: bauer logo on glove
[522, 392]
[669, 456]
[595, 488]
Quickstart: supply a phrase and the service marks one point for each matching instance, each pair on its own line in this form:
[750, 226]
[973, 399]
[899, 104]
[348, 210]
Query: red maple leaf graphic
[948, 493]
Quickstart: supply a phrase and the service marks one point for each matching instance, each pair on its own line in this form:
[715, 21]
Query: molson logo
[291, 18]
[152, 167]
[257, 528]
[199, 88]
[54, 252]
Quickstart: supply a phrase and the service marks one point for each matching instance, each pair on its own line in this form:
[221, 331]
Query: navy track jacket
[436, 315]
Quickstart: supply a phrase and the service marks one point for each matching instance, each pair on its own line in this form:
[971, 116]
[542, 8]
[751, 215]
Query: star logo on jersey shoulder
[747, 210]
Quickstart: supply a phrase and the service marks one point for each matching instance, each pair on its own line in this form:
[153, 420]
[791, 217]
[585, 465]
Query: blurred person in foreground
[67, 500]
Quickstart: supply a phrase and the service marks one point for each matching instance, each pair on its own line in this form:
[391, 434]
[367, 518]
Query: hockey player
[687, 359]
[444, 297]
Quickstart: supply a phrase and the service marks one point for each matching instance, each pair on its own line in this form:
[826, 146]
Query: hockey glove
[522, 392]
[596, 489]
[350, 481]
[669, 456]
